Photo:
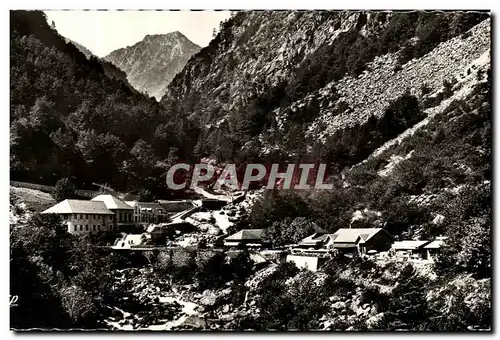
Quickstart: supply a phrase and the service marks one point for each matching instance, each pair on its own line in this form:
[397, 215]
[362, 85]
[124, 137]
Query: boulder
[194, 322]
[242, 313]
[204, 227]
[200, 309]
[339, 305]
[208, 299]
[335, 298]
[214, 231]
[227, 317]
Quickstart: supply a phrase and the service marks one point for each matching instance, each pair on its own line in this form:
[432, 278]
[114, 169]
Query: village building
[148, 212]
[411, 249]
[314, 241]
[432, 249]
[363, 240]
[122, 211]
[80, 216]
[355, 240]
[248, 238]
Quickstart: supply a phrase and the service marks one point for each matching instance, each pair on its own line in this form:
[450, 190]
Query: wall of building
[88, 223]
[124, 216]
[380, 242]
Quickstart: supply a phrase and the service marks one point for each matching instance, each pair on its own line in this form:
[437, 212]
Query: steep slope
[69, 118]
[81, 48]
[111, 70]
[152, 63]
[280, 85]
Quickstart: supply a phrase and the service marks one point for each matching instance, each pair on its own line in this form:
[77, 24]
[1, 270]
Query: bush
[64, 189]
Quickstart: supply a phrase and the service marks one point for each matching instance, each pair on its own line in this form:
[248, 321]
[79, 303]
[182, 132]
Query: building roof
[246, 234]
[408, 245]
[313, 240]
[112, 202]
[436, 244]
[79, 207]
[344, 245]
[351, 235]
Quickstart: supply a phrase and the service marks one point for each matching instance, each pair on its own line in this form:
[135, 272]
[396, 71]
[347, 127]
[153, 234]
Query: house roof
[246, 234]
[408, 245]
[314, 239]
[436, 244]
[351, 235]
[112, 202]
[70, 206]
[344, 245]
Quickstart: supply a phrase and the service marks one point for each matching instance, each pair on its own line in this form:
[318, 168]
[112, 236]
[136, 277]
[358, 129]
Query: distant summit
[153, 62]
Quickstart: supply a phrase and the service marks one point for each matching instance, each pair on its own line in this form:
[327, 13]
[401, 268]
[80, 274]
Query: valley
[396, 105]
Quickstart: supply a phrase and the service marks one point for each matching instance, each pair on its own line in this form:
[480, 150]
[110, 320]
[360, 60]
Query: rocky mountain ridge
[275, 81]
[152, 63]
[81, 48]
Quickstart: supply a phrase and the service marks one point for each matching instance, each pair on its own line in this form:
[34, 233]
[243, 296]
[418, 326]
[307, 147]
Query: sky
[104, 31]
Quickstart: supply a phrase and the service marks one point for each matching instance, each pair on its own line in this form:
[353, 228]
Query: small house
[432, 248]
[411, 249]
[315, 240]
[249, 238]
[359, 240]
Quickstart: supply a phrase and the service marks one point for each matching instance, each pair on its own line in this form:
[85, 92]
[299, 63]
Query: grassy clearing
[35, 200]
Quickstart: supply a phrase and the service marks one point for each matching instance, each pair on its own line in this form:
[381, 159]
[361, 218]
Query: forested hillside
[70, 117]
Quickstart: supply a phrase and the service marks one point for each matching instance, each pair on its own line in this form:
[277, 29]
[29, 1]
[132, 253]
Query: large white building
[84, 216]
[102, 213]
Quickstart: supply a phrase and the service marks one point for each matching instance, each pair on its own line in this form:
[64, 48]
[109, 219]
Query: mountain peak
[162, 36]
[152, 63]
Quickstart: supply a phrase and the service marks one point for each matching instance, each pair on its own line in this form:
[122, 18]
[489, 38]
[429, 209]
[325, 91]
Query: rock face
[152, 63]
[288, 80]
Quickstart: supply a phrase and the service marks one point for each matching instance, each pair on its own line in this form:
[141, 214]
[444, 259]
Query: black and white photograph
[250, 170]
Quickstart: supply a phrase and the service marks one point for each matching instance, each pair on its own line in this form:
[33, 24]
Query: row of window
[77, 227]
[86, 217]
[123, 217]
